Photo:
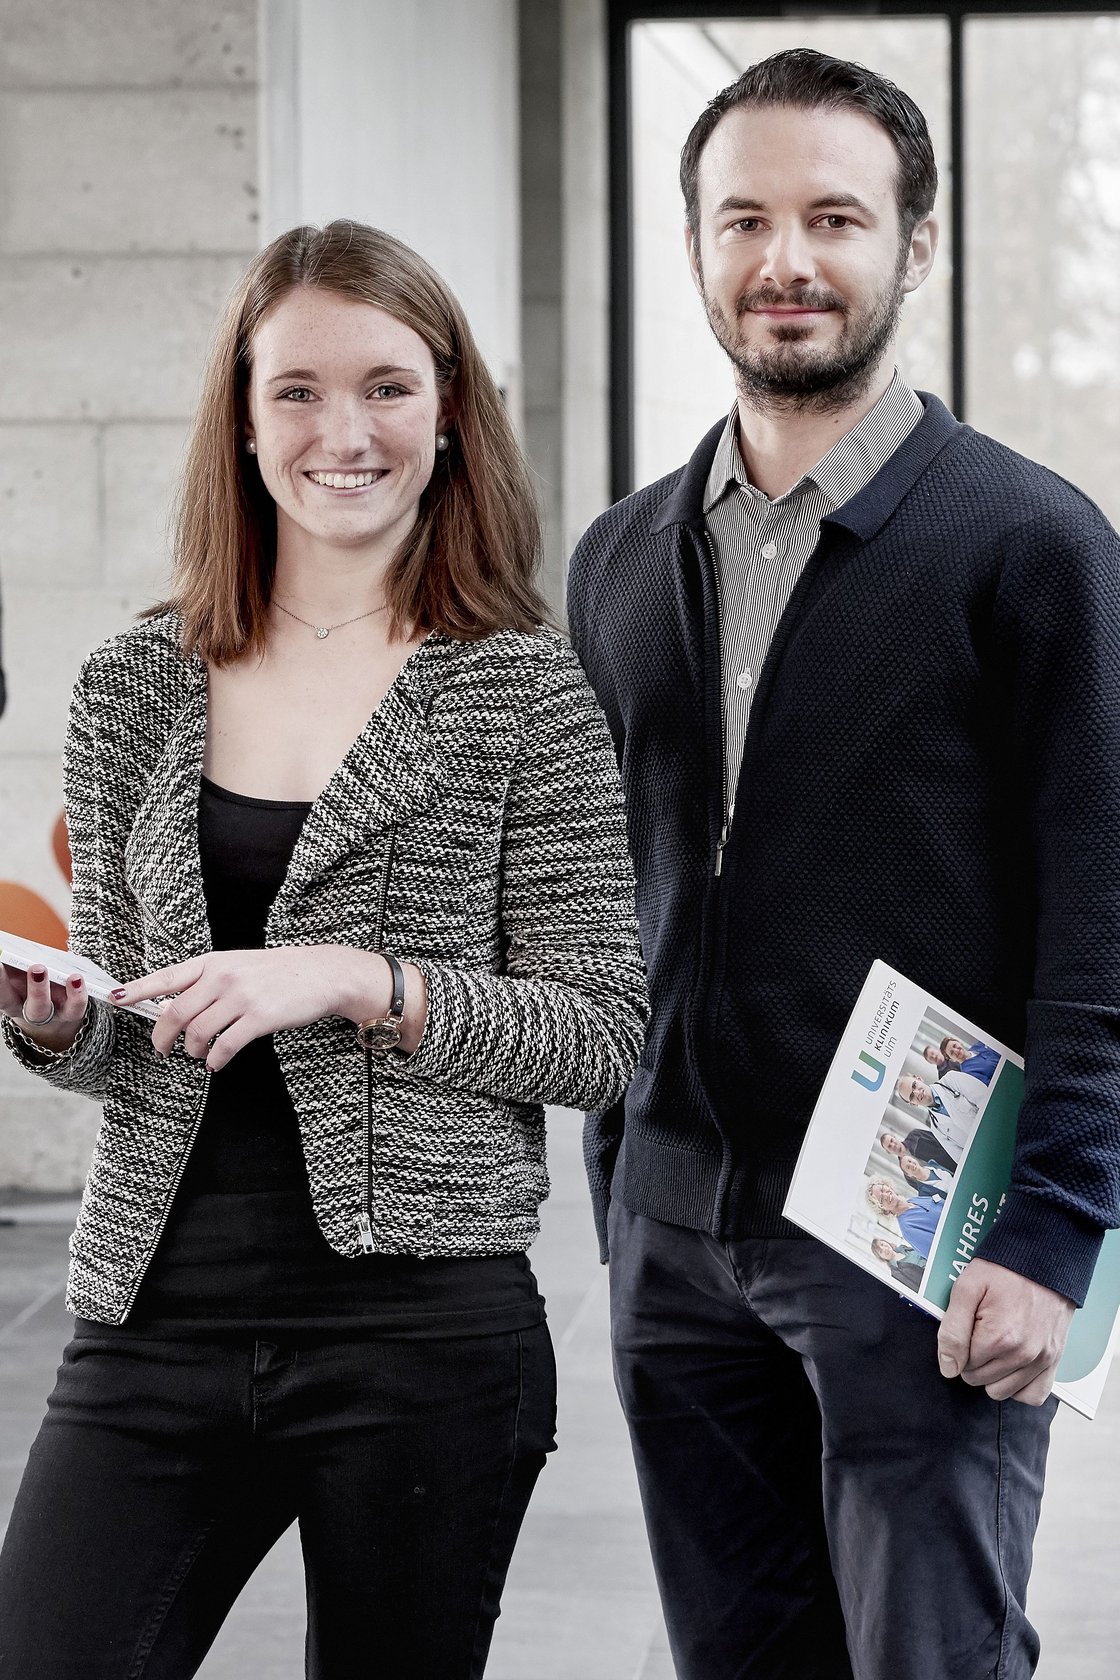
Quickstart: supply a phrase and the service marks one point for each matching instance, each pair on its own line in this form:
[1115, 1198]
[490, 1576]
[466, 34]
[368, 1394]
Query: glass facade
[1042, 326]
[1040, 320]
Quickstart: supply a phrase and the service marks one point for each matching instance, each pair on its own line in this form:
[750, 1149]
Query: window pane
[682, 382]
[1043, 224]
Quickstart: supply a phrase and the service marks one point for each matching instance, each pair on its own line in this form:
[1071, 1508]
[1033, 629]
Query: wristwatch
[384, 1032]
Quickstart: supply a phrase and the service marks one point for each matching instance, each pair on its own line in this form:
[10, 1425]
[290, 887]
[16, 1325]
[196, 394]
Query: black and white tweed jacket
[475, 827]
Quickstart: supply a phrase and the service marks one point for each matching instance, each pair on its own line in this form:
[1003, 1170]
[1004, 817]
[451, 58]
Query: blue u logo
[863, 1079]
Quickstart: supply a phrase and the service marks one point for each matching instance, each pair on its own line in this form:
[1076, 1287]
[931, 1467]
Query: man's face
[914, 1090]
[932, 1055]
[798, 256]
[955, 1051]
[892, 1143]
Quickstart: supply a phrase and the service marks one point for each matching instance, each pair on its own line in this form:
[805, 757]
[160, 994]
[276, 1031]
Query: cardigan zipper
[727, 810]
[180, 1169]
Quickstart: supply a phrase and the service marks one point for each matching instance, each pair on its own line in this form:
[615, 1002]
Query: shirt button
[744, 680]
[769, 551]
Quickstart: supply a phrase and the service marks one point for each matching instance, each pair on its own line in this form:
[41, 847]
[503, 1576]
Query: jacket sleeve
[1058, 622]
[564, 1022]
[85, 1067]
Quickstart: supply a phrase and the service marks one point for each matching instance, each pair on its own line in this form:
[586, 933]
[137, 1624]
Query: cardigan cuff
[80, 1067]
[1044, 1242]
[434, 1053]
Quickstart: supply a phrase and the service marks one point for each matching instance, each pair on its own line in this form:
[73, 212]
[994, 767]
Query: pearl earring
[443, 443]
[250, 446]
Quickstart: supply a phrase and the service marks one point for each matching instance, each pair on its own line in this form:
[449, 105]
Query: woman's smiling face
[344, 411]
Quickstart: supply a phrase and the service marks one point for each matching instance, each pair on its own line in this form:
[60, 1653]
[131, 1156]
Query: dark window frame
[620, 15]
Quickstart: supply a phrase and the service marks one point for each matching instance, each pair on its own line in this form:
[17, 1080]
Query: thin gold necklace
[324, 630]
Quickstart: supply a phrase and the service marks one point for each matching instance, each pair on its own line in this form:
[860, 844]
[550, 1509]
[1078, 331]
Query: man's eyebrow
[829, 201]
[751, 204]
[843, 201]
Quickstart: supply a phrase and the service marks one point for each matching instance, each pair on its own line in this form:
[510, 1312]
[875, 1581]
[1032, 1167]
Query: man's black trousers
[822, 1504]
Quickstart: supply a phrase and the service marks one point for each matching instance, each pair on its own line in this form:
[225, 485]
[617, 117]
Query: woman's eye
[389, 391]
[297, 393]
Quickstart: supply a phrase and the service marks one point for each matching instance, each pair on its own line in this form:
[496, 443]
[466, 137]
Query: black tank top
[242, 1250]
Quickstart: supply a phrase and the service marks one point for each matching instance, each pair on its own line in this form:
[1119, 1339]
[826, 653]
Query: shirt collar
[848, 466]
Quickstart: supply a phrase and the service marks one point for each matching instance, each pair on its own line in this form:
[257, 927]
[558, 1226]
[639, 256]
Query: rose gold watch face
[380, 1035]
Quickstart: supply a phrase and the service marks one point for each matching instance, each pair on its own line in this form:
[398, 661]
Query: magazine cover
[26, 953]
[907, 1158]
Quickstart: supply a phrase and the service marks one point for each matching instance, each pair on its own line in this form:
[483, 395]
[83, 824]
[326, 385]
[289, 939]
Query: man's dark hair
[811, 80]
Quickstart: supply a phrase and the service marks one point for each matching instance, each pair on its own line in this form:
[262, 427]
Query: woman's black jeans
[164, 1471]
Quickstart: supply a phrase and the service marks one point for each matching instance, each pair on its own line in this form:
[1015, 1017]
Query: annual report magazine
[907, 1160]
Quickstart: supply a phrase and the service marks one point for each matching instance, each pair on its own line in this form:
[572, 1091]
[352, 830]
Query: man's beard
[779, 376]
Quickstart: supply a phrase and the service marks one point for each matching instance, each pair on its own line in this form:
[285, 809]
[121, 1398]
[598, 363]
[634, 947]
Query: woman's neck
[329, 586]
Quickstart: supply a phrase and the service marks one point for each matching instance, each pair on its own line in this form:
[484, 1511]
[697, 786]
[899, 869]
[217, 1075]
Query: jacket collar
[864, 515]
[391, 772]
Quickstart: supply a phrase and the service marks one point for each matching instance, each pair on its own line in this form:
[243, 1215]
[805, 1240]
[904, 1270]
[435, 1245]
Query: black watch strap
[396, 1005]
[384, 1031]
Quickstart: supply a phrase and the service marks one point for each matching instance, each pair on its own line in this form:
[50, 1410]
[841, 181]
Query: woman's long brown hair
[469, 564]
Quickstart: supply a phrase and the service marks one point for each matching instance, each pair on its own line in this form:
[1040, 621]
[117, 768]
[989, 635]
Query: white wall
[404, 116]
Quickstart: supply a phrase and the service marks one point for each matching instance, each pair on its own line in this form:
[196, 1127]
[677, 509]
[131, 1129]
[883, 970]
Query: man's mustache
[764, 297]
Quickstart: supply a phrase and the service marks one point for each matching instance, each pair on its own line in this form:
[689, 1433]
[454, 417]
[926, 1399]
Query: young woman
[349, 808]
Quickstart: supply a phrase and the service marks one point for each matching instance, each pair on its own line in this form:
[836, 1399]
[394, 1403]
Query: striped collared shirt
[761, 546]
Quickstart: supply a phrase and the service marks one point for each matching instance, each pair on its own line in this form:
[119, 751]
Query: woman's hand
[227, 998]
[49, 1015]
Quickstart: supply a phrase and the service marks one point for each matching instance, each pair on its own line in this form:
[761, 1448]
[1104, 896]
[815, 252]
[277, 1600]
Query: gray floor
[580, 1603]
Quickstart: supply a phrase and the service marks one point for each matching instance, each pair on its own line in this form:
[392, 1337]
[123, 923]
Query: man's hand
[1003, 1332]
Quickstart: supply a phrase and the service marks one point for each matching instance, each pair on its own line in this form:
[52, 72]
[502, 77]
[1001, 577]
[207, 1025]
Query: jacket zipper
[161, 927]
[170, 1198]
[365, 1217]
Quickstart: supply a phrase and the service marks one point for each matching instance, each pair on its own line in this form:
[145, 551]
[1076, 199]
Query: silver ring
[28, 1022]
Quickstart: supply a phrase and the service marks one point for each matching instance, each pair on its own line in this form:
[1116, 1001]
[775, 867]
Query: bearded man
[752, 625]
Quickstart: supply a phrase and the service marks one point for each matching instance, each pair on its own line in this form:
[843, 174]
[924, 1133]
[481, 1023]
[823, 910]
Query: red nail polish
[76, 982]
[37, 973]
[117, 994]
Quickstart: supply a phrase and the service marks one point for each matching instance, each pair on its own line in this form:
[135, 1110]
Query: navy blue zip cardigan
[931, 776]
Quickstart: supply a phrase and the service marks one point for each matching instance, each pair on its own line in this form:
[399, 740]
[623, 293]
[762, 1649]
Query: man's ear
[692, 246]
[923, 246]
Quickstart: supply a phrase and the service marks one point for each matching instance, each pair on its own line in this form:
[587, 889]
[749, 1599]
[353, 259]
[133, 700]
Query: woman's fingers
[74, 1001]
[38, 1003]
[47, 1012]
[179, 1014]
[201, 1032]
[229, 1041]
[159, 983]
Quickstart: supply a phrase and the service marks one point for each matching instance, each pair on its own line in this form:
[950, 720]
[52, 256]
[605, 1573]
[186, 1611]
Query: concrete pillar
[127, 208]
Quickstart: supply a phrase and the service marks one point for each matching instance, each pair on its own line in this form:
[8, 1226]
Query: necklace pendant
[321, 633]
